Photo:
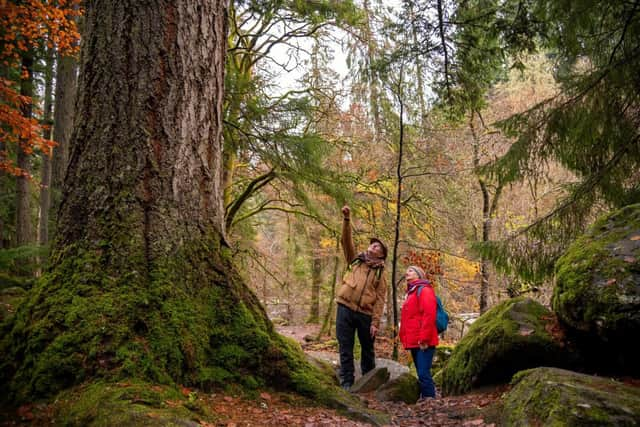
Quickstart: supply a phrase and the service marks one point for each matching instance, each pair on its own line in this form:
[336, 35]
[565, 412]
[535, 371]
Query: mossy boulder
[510, 337]
[597, 292]
[556, 397]
[401, 389]
[371, 381]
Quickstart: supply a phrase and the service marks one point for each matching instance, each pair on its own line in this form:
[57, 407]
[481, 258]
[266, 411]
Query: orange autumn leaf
[28, 25]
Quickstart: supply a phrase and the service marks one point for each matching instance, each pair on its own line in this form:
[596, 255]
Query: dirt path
[476, 409]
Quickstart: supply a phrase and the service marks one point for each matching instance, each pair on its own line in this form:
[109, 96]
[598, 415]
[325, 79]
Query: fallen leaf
[476, 422]
[636, 237]
[629, 259]
[611, 282]
[185, 391]
[228, 399]
[265, 395]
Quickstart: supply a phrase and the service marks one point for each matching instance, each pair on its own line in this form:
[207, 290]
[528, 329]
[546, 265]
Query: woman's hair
[419, 271]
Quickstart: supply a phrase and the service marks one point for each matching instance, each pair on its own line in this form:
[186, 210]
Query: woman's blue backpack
[442, 317]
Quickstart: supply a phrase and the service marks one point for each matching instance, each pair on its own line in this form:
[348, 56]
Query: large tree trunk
[141, 282]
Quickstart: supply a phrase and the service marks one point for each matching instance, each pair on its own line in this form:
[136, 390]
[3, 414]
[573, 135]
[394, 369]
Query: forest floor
[269, 408]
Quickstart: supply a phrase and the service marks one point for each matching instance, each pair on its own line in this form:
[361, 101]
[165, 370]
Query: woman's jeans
[423, 360]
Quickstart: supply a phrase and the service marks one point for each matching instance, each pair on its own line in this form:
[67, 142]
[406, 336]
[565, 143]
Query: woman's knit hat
[419, 271]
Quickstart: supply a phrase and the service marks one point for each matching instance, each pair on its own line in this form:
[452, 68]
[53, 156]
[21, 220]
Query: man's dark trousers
[348, 322]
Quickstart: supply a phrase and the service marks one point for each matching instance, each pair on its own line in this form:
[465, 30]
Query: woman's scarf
[414, 284]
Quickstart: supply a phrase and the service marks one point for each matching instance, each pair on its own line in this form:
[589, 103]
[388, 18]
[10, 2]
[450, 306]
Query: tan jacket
[362, 289]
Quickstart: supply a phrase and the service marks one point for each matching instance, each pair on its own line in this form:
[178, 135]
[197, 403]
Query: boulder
[371, 380]
[403, 388]
[510, 337]
[326, 367]
[597, 292]
[555, 397]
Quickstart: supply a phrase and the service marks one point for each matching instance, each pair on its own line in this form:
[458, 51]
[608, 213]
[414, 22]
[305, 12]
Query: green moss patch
[403, 388]
[508, 338]
[556, 397]
[132, 403]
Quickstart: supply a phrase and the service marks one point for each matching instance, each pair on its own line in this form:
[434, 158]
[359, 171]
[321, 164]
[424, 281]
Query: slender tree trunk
[66, 88]
[24, 229]
[396, 239]
[45, 181]
[141, 281]
[488, 210]
[330, 315]
[316, 278]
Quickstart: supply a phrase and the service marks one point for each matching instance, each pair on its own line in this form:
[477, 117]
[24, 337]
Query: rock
[395, 369]
[310, 338]
[371, 380]
[401, 389]
[327, 368]
[597, 292]
[551, 396]
[510, 337]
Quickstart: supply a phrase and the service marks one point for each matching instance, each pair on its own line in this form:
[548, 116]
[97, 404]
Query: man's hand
[423, 346]
[373, 331]
[346, 211]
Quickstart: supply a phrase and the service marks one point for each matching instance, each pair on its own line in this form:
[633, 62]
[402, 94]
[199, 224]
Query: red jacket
[418, 318]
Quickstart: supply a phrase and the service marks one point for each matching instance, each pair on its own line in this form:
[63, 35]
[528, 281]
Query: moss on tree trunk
[141, 283]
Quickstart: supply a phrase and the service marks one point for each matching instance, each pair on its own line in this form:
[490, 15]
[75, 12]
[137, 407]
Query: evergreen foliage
[590, 127]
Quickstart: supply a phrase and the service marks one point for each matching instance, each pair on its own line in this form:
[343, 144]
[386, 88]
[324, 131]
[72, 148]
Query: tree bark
[141, 282]
[66, 87]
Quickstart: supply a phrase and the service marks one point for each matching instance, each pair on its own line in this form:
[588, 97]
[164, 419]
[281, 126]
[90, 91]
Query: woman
[418, 331]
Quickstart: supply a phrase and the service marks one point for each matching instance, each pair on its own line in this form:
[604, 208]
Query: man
[360, 301]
